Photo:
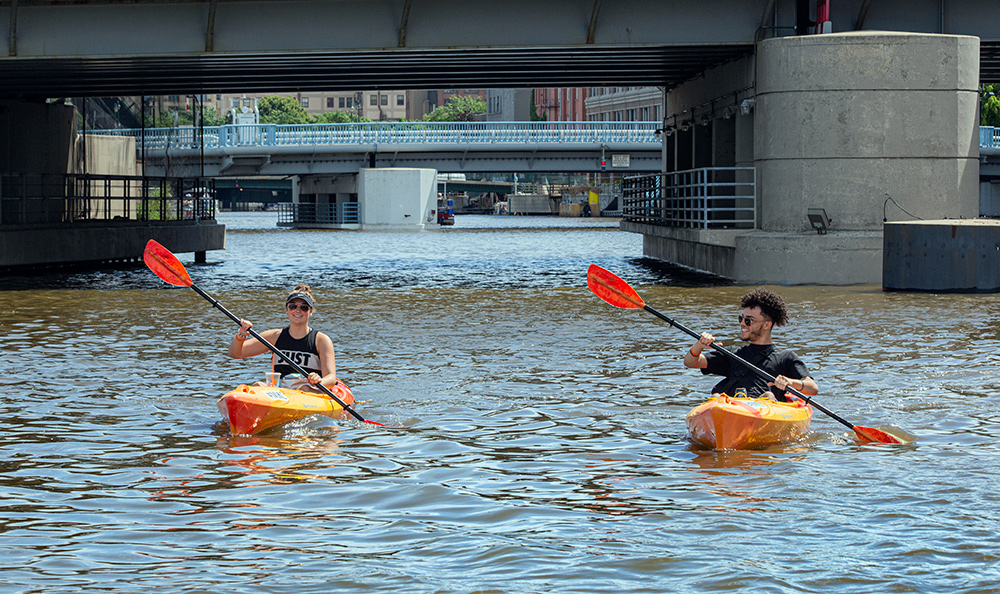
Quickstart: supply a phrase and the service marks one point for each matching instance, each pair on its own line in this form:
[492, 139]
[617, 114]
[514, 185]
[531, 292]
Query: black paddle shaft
[275, 350]
[767, 376]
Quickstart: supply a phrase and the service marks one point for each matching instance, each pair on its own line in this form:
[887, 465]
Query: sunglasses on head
[294, 306]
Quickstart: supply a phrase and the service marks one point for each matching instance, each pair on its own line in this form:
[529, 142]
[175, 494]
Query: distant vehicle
[445, 218]
[199, 202]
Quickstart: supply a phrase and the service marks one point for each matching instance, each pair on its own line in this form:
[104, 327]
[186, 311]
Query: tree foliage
[339, 117]
[169, 119]
[275, 109]
[458, 109]
[989, 109]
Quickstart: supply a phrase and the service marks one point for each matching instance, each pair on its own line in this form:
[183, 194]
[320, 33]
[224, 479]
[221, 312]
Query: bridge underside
[190, 162]
[65, 48]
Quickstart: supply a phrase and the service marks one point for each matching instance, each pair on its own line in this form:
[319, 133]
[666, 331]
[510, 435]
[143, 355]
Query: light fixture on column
[818, 220]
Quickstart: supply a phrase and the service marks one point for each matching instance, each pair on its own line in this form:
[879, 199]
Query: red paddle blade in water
[612, 289]
[165, 265]
[872, 434]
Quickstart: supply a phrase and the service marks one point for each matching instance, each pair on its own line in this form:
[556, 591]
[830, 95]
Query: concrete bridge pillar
[843, 120]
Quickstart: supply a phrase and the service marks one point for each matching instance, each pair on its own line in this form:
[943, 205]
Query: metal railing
[705, 198]
[77, 198]
[989, 138]
[265, 135]
[342, 213]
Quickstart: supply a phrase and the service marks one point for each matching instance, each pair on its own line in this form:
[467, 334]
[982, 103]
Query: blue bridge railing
[485, 133]
[989, 139]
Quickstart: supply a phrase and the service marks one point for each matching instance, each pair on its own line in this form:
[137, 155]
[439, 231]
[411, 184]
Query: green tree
[989, 109]
[282, 110]
[169, 119]
[458, 109]
[339, 117]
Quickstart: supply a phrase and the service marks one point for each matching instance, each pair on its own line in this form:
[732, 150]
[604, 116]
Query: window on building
[384, 99]
[350, 102]
[372, 100]
[340, 102]
[400, 100]
[305, 102]
[331, 102]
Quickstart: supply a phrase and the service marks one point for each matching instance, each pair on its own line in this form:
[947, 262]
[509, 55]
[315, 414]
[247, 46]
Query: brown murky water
[540, 445]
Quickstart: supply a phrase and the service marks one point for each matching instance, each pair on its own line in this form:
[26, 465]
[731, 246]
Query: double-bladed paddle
[617, 292]
[166, 266]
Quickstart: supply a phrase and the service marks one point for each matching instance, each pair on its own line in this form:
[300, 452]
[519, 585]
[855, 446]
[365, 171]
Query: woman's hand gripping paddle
[166, 266]
[617, 292]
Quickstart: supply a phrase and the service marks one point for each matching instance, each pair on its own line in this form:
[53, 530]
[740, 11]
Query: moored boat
[252, 409]
[726, 423]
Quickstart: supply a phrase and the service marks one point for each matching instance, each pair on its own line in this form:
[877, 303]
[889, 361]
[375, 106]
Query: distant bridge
[453, 147]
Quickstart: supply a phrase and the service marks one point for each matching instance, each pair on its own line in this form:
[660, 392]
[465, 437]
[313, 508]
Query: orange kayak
[252, 409]
[725, 423]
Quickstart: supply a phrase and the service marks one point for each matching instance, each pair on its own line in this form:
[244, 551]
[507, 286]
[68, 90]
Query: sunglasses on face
[746, 320]
[294, 306]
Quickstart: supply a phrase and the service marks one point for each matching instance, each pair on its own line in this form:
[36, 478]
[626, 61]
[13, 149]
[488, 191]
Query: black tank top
[301, 350]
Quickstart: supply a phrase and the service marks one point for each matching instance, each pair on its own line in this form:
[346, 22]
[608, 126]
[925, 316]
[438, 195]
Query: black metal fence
[706, 198]
[71, 198]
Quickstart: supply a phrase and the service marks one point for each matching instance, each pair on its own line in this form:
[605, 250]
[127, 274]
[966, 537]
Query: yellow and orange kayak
[725, 423]
[252, 409]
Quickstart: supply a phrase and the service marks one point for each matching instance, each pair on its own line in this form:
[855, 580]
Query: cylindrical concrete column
[844, 120]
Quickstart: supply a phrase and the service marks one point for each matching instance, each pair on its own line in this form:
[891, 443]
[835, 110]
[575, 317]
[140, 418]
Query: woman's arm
[243, 345]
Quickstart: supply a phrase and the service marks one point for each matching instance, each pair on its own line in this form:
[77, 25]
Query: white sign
[619, 161]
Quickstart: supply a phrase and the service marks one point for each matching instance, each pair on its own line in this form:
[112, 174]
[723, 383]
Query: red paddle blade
[612, 289]
[872, 434]
[165, 265]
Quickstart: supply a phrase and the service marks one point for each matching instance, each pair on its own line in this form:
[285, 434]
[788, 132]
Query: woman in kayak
[762, 310]
[310, 349]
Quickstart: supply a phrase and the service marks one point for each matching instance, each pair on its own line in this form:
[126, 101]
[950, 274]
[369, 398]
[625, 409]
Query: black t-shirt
[303, 351]
[766, 357]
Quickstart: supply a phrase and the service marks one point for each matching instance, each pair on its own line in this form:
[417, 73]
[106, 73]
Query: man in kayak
[762, 311]
[310, 349]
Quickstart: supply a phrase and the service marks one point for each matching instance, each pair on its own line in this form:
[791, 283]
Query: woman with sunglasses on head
[310, 349]
[762, 310]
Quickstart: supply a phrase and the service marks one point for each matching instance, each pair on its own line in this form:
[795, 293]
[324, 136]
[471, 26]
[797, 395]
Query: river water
[538, 441]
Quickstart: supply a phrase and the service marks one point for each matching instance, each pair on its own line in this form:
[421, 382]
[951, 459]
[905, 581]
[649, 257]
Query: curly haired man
[762, 311]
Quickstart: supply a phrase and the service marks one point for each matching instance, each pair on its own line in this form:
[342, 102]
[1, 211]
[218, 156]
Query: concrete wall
[86, 243]
[36, 137]
[843, 120]
[398, 198]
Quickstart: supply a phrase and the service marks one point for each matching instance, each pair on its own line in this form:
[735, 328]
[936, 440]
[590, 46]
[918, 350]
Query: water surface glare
[539, 442]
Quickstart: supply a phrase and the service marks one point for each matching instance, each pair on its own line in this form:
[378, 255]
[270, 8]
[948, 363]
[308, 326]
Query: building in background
[508, 105]
[562, 104]
[625, 104]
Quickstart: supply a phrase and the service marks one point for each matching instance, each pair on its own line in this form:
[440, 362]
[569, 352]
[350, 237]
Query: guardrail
[70, 198]
[705, 198]
[989, 139]
[270, 135]
[342, 213]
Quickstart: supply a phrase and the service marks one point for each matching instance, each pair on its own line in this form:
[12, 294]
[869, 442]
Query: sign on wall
[619, 160]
